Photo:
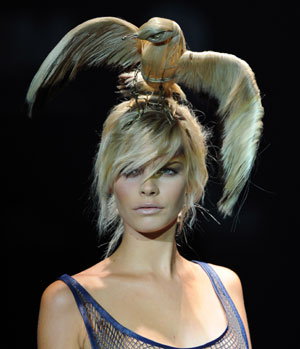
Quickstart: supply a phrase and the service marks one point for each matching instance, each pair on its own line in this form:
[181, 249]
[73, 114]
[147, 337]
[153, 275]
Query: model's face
[155, 204]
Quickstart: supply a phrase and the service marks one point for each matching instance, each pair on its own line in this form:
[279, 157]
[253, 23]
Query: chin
[149, 226]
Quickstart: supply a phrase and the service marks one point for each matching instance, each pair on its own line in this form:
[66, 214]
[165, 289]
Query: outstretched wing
[92, 43]
[231, 81]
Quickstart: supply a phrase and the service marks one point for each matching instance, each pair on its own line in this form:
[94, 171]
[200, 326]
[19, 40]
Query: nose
[149, 188]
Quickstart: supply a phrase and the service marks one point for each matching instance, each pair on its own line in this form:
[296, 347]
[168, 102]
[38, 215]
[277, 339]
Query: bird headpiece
[157, 49]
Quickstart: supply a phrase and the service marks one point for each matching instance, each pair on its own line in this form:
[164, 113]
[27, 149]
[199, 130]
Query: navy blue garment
[105, 332]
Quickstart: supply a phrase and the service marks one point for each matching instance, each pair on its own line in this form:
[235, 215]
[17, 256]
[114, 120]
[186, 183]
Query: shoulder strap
[80, 295]
[222, 293]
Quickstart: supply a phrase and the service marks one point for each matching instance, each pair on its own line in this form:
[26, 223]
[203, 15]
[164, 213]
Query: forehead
[158, 161]
[174, 159]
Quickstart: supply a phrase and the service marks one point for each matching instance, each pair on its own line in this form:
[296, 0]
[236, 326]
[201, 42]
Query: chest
[173, 314]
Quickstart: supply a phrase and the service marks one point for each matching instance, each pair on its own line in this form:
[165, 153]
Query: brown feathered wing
[92, 43]
[231, 81]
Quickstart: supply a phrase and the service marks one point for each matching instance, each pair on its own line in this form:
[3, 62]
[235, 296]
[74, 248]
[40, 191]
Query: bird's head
[159, 30]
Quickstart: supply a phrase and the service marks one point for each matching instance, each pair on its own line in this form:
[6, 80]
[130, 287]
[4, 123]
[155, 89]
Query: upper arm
[59, 319]
[233, 286]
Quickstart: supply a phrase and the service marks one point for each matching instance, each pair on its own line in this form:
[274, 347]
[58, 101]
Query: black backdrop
[47, 223]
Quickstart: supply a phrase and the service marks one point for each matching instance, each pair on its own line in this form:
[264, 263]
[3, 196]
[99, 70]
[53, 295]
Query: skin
[170, 300]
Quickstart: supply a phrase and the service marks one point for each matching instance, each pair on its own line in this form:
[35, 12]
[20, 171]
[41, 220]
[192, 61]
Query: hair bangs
[151, 138]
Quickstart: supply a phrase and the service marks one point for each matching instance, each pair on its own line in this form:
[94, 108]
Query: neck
[152, 254]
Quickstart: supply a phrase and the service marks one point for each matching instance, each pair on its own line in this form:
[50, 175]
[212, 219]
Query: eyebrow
[174, 162]
[179, 164]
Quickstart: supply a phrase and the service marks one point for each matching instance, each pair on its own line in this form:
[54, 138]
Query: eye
[132, 174]
[168, 171]
[159, 37]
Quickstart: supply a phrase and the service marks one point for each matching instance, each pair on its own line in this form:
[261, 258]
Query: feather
[159, 47]
[231, 81]
[95, 42]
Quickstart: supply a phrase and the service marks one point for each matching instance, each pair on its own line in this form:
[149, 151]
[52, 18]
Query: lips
[148, 205]
[148, 209]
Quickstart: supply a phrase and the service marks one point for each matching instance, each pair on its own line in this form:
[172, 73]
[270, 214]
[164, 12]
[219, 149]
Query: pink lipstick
[148, 208]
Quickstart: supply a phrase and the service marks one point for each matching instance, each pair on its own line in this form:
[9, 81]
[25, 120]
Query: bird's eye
[158, 37]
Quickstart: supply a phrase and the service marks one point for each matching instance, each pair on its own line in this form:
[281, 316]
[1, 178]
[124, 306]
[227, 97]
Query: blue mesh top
[105, 332]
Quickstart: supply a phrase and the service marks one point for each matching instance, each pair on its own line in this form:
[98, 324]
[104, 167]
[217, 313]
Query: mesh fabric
[106, 333]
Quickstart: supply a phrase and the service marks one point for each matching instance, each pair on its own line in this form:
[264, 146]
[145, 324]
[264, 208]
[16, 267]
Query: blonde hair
[136, 133]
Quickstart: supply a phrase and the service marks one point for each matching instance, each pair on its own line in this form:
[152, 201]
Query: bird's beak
[130, 36]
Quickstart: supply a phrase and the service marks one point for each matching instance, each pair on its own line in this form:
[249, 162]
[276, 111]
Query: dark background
[48, 225]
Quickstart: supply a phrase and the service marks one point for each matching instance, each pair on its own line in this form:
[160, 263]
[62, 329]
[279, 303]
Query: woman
[150, 174]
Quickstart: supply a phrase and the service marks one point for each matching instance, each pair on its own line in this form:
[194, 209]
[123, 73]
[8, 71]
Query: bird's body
[158, 50]
[161, 49]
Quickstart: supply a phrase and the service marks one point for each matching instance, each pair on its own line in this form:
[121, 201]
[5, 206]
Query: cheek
[180, 197]
[123, 193]
[175, 192]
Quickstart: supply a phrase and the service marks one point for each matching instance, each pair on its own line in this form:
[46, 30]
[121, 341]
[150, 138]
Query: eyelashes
[132, 174]
[167, 171]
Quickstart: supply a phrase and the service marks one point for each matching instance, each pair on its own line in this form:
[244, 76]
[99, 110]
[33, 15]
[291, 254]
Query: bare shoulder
[233, 285]
[59, 320]
[57, 295]
[230, 279]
